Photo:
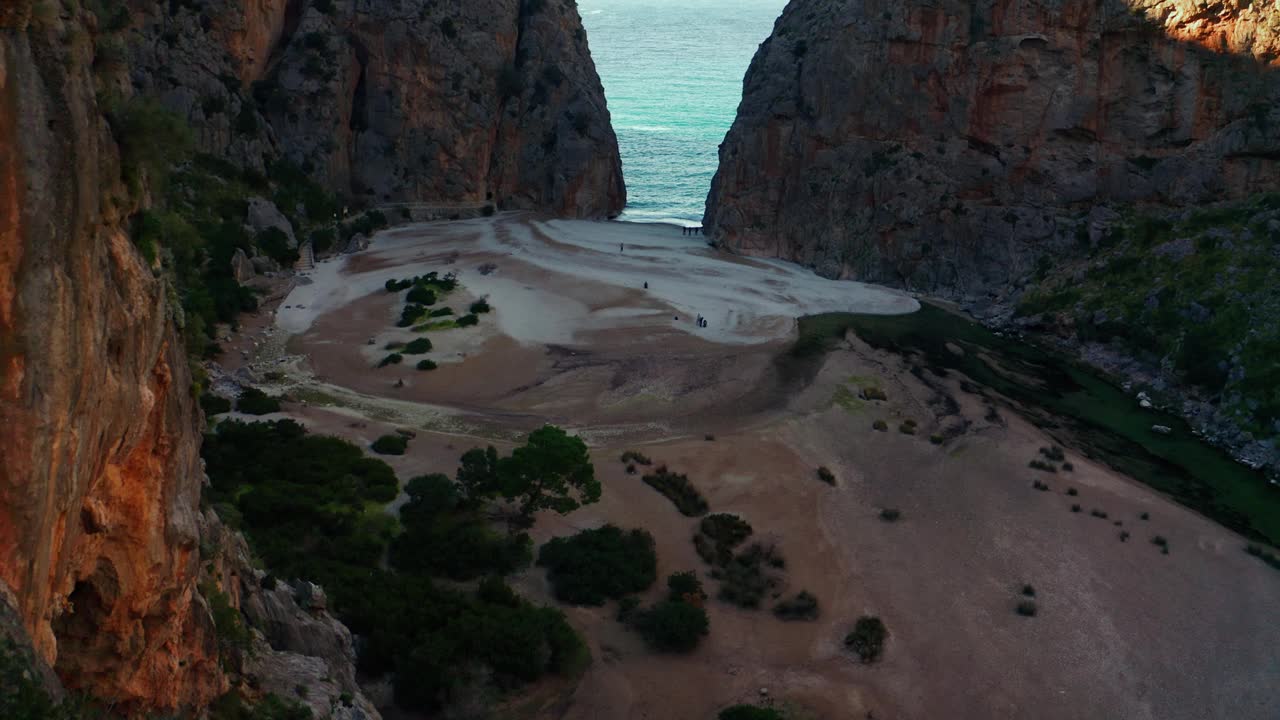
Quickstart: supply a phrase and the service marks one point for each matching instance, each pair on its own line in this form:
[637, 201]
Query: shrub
[275, 244]
[427, 365]
[418, 347]
[1027, 608]
[826, 476]
[677, 488]
[804, 606]
[410, 315]
[880, 425]
[467, 321]
[725, 531]
[1098, 513]
[1075, 508]
[908, 427]
[867, 638]
[890, 515]
[255, 402]
[214, 404]
[631, 456]
[1028, 590]
[440, 312]
[743, 581]
[1124, 536]
[936, 439]
[442, 537]
[1042, 466]
[594, 565]
[394, 285]
[392, 359]
[1053, 453]
[749, 712]
[1266, 557]
[1160, 541]
[1068, 467]
[1039, 486]
[421, 296]
[480, 307]
[627, 607]
[672, 626]
[390, 445]
[1145, 516]
[874, 393]
[686, 587]
[394, 345]
[1072, 492]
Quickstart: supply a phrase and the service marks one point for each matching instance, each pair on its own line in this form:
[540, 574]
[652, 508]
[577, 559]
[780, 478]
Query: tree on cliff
[547, 472]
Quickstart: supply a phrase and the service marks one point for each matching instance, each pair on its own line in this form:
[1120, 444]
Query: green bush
[392, 359]
[685, 586]
[231, 706]
[275, 244]
[410, 315]
[255, 402]
[214, 404]
[427, 365]
[390, 445]
[867, 638]
[440, 312]
[467, 321]
[890, 515]
[443, 537]
[718, 535]
[750, 712]
[421, 296]
[1027, 608]
[826, 476]
[880, 425]
[631, 456]
[677, 488]
[744, 581]
[595, 565]
[804, 606]
[672, 626]
[418, 346]
[480, 307]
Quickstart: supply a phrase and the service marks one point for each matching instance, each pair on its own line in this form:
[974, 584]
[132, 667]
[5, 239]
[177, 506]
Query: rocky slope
[950, 145]
[391, 101]
[99, 434]
[122, 583]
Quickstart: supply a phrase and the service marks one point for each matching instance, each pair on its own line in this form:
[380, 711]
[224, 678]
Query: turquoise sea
[672, 73]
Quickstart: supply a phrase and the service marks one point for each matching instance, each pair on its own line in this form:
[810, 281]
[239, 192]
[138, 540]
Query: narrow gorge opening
[672, 73]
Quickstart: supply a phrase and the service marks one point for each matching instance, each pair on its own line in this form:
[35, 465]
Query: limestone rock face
[948, 145]
[99, 434]
[263, 214]
[393, 100]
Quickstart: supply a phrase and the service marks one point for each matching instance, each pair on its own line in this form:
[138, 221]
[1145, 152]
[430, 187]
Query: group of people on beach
[691, 230]
[702, 322]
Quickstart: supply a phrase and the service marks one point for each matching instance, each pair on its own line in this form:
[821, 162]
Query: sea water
[672, 73]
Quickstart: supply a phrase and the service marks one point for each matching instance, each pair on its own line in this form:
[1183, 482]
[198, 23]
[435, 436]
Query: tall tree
[552, 471]
[478, 475]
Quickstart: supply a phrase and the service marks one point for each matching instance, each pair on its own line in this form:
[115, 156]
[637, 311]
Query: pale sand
[745, 301]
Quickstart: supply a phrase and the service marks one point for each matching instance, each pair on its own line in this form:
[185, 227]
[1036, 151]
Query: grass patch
[255, 402]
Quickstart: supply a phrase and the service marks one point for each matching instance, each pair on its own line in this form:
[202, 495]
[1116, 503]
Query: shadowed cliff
[947, 146]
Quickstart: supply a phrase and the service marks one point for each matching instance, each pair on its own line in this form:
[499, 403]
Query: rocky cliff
[391, 100]
[123, 585]
[99, 434]
[951, 145]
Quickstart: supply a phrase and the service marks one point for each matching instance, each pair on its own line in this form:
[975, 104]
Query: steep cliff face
[396, 100]
[100, 478]
[949, 145]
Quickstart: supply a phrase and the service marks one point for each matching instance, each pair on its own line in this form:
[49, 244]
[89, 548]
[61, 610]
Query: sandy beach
[576, 339]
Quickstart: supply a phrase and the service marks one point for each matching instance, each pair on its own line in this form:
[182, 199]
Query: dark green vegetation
[749, 712]
[392, 359]
[718, 535]
[746, 579]
[826, 476]
[804, 606]
[446, 535]
[1027, 608]
[418, 346]
[426, 365]
[880, 426]
[390, 445]
[480, 307]
[866, 640]
[595, 565]
[214, 404]
[255, 402]
[676, 624]
[1081, 408]
[314, 507]
[22, 697]
[677, 488]
[272, 707]
[890, 515]
[1267, 557]
[1198, 293]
